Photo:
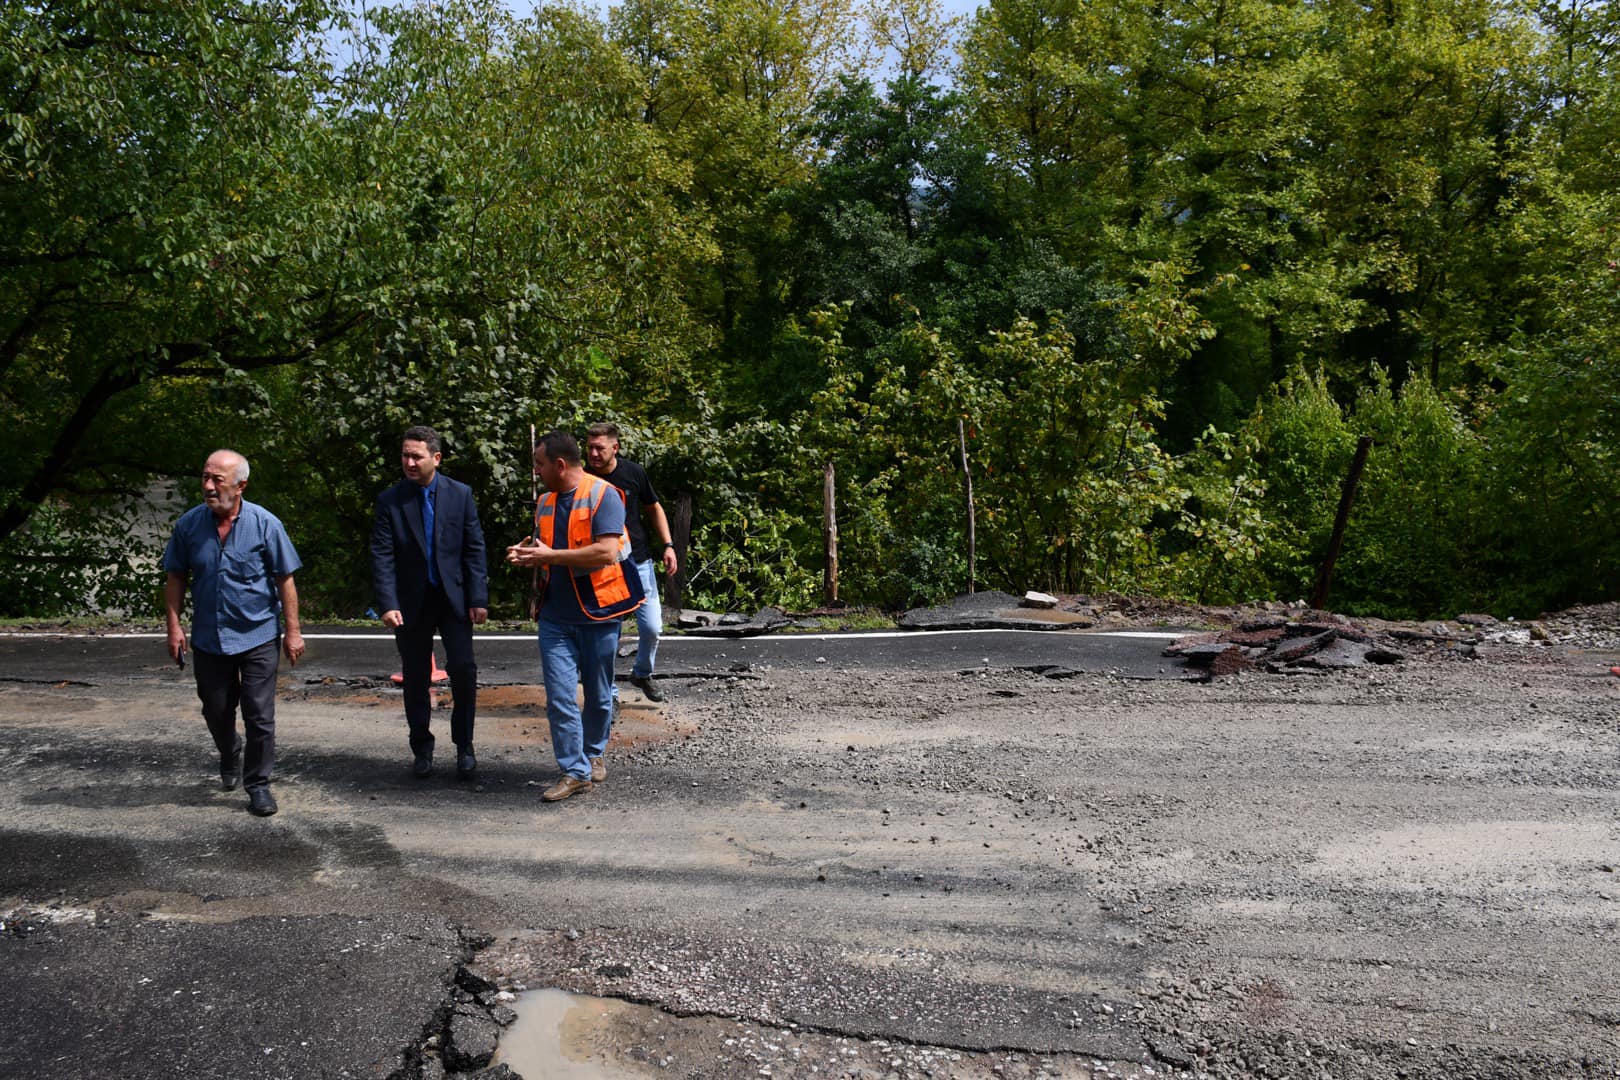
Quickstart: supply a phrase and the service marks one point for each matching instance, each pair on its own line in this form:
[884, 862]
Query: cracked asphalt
[876, 865]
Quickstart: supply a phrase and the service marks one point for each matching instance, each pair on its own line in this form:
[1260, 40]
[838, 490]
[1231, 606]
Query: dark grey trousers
[415, 644]
[248, 679]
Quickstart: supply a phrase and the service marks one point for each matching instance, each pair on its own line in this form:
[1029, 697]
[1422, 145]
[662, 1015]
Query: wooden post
[680, 533]
[967, 486]
[1346, 499]
[830, 523]
[534, 529]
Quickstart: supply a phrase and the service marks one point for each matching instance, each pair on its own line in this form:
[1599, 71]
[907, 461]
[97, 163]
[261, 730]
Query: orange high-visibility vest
[615, 590]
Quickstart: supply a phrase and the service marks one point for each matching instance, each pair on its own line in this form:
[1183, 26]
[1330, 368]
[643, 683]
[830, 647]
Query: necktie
[427, 529]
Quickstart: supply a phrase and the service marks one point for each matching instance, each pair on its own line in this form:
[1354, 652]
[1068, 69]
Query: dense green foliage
[1161, 266]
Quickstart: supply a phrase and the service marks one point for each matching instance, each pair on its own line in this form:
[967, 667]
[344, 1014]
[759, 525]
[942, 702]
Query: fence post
[967, 486]
[830, 524]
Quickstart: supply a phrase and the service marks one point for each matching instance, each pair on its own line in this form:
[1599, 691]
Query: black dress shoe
[230, 769]
[424, 765]
[261, 802]
[466, 764]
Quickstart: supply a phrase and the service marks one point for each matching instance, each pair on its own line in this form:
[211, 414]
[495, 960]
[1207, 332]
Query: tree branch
[126, 372]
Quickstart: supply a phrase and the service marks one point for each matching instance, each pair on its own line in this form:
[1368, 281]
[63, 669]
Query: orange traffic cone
[438, 676]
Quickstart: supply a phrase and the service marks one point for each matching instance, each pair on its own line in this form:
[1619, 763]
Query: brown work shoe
[568, 785]
[598, 770]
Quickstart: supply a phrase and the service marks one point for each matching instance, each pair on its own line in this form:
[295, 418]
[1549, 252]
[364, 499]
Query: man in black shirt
[602, 459]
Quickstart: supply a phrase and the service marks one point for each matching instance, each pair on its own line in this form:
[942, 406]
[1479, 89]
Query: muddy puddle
[563, 1036]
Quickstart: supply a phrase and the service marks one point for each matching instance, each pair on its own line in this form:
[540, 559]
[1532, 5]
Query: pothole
[564, 1036]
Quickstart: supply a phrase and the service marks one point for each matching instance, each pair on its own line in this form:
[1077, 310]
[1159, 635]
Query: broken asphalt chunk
[470, 1041]
[1283, 647]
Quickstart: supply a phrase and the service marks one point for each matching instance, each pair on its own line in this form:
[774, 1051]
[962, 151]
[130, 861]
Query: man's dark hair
[560, 446]
[424, 435]
[610, 430]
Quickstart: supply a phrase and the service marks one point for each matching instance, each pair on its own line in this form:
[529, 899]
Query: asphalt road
[156, 930]
[512, 657]
[892, 841]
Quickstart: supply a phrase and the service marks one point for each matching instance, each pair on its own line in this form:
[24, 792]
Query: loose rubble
[996, 610]
[735, 624]
[1283, 646]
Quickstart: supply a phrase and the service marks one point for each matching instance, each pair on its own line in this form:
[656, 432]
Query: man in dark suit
[430, 572]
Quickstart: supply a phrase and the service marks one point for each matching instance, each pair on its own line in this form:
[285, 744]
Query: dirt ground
[1394, 871]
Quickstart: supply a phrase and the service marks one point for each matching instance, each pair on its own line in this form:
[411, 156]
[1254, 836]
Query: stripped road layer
[1348, 874]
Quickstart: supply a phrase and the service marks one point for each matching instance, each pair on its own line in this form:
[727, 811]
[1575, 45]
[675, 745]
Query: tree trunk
[1347, 498]
[680, 532]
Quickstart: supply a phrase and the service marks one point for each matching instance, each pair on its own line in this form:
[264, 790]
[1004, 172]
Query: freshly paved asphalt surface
[513, 658]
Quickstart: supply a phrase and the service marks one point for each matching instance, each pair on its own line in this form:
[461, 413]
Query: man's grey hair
[241, 465]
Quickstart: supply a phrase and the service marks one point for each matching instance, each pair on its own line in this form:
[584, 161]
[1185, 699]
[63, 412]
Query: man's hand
[293, 642]
[529, 553]
[670, 561]
[393, 620]
[174, 599]
[478, 615]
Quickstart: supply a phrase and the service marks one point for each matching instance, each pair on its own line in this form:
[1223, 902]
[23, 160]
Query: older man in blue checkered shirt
[239, 563]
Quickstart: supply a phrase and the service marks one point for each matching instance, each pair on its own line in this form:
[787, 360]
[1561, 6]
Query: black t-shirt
[631, 480]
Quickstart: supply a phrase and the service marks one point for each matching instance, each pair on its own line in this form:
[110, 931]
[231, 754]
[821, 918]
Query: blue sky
[952, 7]
[524, 8]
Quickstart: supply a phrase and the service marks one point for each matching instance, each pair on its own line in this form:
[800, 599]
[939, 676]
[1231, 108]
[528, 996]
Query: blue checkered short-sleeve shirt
[234, 599]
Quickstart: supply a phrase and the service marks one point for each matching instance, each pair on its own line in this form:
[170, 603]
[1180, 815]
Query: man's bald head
[224, 475]
[229, 460]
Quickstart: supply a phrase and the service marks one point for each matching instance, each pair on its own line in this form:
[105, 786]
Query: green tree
[1330, 174]
[729, 86]
[539, 247]
[469, 226]
[166, 214]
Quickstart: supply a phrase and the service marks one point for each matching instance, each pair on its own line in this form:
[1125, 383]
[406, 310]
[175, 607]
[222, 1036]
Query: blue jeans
[572, 655]
[649, 622]
[649, 625]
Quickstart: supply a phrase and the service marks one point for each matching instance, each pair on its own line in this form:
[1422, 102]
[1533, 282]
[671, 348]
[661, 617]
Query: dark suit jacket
[399, 549]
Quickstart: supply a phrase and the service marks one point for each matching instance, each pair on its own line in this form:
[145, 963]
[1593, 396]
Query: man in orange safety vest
[588, 584]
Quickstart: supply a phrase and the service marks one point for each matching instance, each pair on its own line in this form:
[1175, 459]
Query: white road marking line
[667, 639]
